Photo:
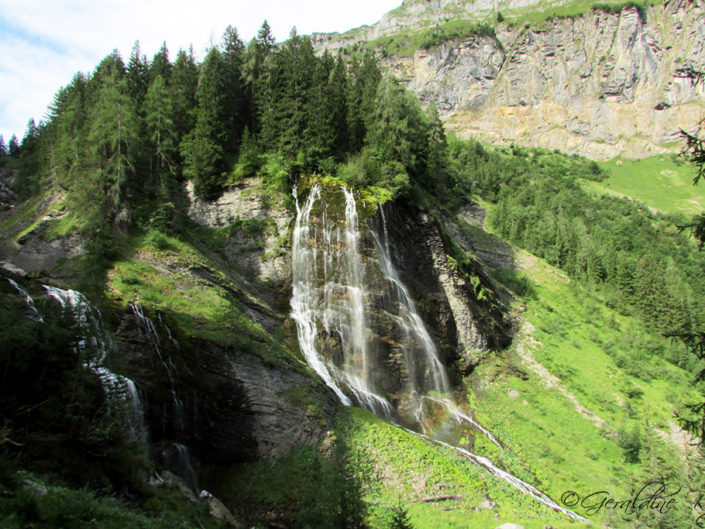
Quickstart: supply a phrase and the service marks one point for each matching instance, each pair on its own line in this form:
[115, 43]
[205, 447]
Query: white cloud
[43, 44]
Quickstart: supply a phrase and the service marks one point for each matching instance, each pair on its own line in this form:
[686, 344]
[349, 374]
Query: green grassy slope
[660, 182]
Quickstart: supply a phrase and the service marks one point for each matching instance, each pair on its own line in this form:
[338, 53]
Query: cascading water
[330, 304]
[95, 342]
[416, 335]
[328, 295]
[149, 331]
[28, 299]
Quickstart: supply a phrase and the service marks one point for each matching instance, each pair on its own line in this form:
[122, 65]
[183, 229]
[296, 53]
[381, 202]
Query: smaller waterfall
[28, 299]
[95, 342]
[177, 459]
[409, 319]
[148, 330]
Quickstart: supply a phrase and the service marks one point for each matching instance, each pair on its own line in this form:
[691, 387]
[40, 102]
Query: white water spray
[28, 299]
[95, 341]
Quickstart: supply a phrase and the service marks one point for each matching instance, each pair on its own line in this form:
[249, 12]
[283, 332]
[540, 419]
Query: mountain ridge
[610, 81]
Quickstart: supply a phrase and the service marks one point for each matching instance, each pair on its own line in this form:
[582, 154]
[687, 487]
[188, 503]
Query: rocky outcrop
[27, 243]
[258, 231]
[467, 229]
[415, 14]
[599, 84]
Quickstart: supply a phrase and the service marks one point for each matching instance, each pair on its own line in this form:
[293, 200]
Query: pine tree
[319, 135]
[159, 120]
[400, 518]
[256, 76]
[438, 164]
[113, 139]
[182, 90]
[68, 131]
[202, 149]
[236, 106]
[265, 37]
[160, 65]
[398, 134]
[137, 80]
[365, 78]
[337, 90]
[14, 148]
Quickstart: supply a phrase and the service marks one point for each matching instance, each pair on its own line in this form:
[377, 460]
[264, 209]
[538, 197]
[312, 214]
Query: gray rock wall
[598, 84]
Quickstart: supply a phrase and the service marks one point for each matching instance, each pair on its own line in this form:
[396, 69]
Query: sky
[43, 43]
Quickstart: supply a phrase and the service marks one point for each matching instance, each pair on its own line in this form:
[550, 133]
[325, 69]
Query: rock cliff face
[228, 401]
[598, 84]
[457, 299]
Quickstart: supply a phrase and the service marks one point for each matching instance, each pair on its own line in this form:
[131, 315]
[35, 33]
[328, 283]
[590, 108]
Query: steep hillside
[267, 290]
[601, 82]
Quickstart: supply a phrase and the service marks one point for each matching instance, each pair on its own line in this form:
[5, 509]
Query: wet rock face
[447, 293]
[226, 406]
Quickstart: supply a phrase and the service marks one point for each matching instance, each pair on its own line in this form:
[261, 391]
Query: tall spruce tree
[14, 147]
[236, 109]
[113, 138]
[160, 65]
[182, 91]
[202, 149]
[137, 80]
[159, 120]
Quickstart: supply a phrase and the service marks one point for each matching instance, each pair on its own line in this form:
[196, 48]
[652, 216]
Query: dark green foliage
[630, 442]
[202, 149]
[63, 507]
[400, 518]
[27, 157]
[182, 88]
[119, 140]
[137, 68]
[14, 147]
[308, 488]
[160, 65]
[113, 137]
[160, 117]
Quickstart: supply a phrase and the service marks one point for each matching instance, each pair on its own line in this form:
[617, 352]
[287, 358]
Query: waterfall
[412, 324]
[148, 330]
[28, 299]
[94, 341]
[177, 459]
[304, 300]
[329, 303]
[333, 303]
